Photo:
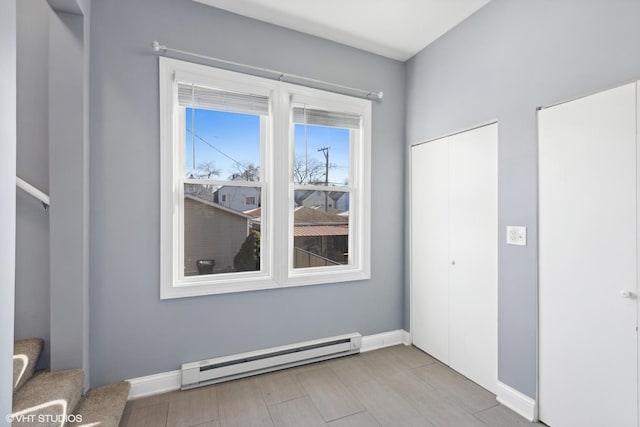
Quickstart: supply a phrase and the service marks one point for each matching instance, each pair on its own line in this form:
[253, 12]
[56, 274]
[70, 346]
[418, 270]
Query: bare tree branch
[246, 172]
[206, 169]
[309, 172]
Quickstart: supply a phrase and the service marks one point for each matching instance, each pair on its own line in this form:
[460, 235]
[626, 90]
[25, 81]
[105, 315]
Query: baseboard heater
[212, 371]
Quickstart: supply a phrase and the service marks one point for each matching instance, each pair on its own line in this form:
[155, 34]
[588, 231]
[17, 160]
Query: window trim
[276, 186]
[358, 189]
[172, 284]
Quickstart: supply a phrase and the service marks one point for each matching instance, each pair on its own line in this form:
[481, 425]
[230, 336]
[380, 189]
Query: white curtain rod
[24, 185]
[279, 75]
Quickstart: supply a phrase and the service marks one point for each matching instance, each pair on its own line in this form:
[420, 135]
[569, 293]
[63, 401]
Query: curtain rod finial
[157, 47]
[376, 95]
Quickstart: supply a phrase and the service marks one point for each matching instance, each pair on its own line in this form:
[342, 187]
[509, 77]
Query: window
[263, 184]
[321, 173]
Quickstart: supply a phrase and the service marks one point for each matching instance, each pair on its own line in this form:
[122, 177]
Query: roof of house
[217, 206]
[309, 216]
[254, 213]
[320, 230]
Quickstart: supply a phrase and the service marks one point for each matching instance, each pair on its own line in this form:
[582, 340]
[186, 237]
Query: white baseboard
[385, 339]
[170, 381]
[517, 402]
[155, 384]
[406, 338]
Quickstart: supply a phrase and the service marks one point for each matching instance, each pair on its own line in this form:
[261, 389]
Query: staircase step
[52, 395]
[103, 406]
[25, 358]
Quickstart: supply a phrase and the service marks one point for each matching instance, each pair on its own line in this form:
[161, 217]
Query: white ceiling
[397, 29]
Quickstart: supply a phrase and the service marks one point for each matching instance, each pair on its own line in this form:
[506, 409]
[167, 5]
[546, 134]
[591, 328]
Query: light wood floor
[395, 386]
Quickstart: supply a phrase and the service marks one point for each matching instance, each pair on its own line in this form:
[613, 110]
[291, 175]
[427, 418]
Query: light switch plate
[516, 235]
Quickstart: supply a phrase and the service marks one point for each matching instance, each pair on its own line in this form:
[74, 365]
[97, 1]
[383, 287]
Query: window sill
[307, 278]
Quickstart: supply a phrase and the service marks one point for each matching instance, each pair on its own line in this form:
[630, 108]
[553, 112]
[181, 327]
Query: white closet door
[473, 252]
[430, 247]
[588, 357]
[454, 252]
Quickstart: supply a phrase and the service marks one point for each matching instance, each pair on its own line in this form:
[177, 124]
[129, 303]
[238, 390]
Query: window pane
[221, 237]
[321, 155]
[321, 228]
[222, 145]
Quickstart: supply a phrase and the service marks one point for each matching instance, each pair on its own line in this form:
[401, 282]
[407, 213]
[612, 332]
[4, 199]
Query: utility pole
[325, 151]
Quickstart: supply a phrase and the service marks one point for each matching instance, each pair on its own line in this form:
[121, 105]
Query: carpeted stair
[25, 358]
[52, 398]
[47, 398]
[103, 406]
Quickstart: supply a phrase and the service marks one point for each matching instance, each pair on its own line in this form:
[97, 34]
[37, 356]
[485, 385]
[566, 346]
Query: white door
[454, 252]
[430, 247]
[588, 259]
[473, 252]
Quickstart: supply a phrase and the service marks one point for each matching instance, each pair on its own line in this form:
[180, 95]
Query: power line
[217, 149]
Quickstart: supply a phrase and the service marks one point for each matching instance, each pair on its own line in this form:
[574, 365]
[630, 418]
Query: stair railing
[33, 191]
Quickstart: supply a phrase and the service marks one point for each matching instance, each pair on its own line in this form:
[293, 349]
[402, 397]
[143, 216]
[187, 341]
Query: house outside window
[264, 184]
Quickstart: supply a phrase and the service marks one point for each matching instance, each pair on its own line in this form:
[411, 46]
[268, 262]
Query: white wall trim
[406, 338]
[517, 402]
[154, 384]
[170, 381]
[385, 339]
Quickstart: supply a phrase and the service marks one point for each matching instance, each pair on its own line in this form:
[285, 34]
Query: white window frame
[358, 267]
[277, 187]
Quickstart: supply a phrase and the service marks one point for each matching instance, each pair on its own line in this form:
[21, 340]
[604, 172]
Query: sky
[233, 139]
[227, 139]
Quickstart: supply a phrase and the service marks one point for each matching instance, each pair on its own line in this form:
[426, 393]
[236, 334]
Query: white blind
[196, 96]
[312, 116]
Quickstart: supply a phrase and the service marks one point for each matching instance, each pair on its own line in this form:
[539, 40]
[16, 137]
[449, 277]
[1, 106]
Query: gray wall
[133, 333]
[51, 107]
[502, 63]
[32, 221]
[8, 139]
[68, 184]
